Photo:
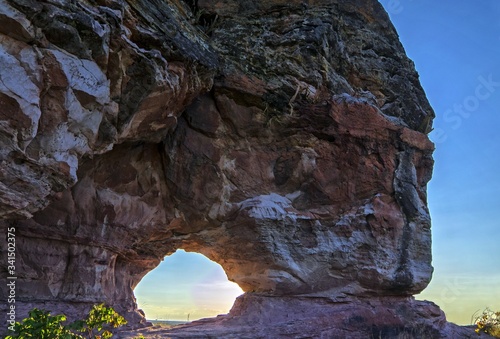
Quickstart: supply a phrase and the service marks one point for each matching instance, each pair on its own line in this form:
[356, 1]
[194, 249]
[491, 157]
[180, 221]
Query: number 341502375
[11, 249]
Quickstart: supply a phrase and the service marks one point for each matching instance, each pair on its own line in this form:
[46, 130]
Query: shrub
[489, 323]
[99, 316]
[41, 325]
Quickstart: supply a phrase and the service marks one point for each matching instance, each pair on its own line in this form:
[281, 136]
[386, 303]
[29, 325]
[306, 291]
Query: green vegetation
[41, 325]
[489, 323]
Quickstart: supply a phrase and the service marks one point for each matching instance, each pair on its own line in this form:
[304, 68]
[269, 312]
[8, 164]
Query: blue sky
[455, 45]
[186, 283]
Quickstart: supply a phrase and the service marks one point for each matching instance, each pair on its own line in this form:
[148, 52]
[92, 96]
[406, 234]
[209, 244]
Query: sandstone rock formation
[285, 140]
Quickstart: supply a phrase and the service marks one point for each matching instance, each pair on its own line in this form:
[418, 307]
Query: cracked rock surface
[285, 140]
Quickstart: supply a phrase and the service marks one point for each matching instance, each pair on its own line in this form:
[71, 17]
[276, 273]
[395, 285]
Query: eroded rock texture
[285, 140]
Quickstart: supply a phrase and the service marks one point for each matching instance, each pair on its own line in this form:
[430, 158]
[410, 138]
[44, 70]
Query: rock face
[285, 140]
[255, 317]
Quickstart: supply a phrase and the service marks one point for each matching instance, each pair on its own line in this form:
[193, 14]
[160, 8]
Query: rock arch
[286, 141]
[338, 225]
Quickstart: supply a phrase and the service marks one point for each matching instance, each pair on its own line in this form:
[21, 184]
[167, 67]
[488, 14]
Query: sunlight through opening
[186, 286]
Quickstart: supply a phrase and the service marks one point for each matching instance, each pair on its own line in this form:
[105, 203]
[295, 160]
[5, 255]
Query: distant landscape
[167, 323]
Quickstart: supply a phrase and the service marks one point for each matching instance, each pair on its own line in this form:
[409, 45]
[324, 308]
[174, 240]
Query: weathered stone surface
[255, 317]
[286, 140]
[311, 225]
[76, 80]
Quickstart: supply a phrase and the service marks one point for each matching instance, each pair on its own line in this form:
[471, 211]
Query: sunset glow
[186, 284]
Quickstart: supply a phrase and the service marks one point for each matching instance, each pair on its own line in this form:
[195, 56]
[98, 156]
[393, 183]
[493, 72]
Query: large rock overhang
[286, 141]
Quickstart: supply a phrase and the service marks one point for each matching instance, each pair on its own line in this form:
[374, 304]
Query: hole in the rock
[186, 286]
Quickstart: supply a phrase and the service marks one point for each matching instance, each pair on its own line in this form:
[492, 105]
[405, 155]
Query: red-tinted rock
[285, 140]
[261, 317]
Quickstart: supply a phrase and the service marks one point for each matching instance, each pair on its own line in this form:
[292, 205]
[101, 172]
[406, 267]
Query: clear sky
[186, 283]
[455, 45]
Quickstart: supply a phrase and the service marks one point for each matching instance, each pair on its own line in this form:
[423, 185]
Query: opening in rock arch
[186, 285]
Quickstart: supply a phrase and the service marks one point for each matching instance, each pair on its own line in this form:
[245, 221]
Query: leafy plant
[489, 323]
[41, 325]
[99, 316]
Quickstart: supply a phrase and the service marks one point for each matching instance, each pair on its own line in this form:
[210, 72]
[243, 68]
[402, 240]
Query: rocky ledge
[259, 317]
[285, 140]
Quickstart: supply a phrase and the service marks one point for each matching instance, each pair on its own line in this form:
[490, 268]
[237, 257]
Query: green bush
[489, 323]
[41, 325]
